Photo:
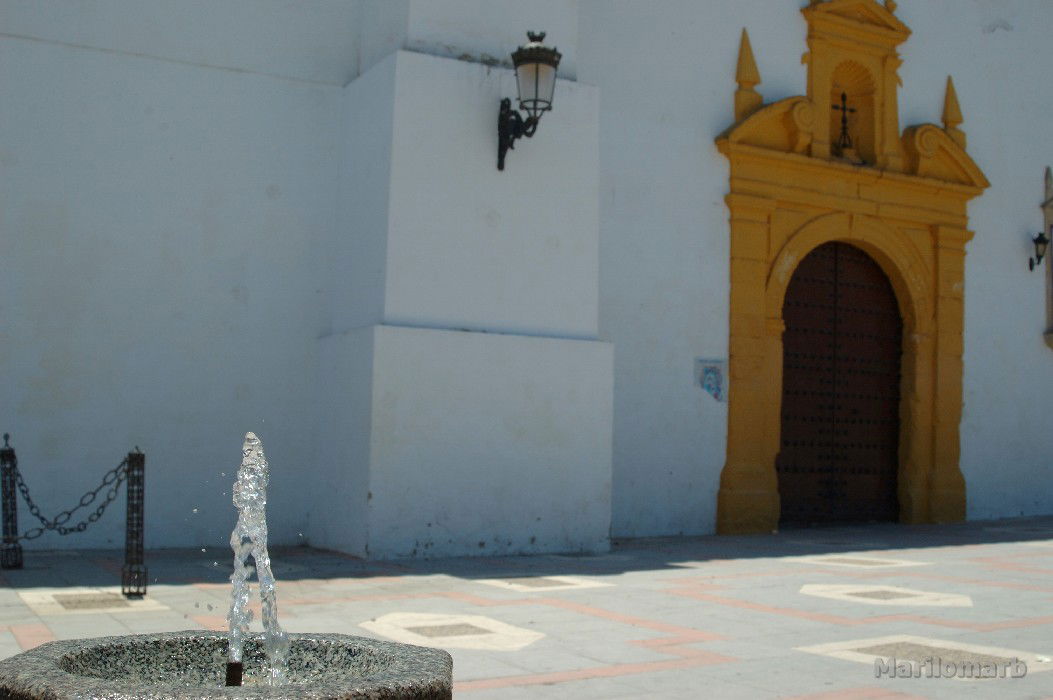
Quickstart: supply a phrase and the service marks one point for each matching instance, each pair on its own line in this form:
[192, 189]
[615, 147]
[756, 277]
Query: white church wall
[999, 54]
[666, 80]
[429, 225]
[339, 485]
[158, 281]
[483, 30]
[356, 269]
[488, 443]
[357, 259]
[381, 29]
[479, 31]
[315, 41]
[473, 247]
[441, 443]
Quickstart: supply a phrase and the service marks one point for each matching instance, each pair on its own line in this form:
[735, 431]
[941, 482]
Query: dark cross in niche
[844, 141]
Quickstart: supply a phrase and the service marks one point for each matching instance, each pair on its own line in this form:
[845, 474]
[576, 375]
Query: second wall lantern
[1041, 242]
[535, 66]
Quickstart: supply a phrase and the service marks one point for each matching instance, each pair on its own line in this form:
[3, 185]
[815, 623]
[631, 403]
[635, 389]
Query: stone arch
[900, 260]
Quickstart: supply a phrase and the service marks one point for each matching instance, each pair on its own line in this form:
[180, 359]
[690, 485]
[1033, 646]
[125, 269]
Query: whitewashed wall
[180, 221]
[317, 41]
[160, 226]
[487, 443]
[469, 246]
[475, 30]
[999, 54]
[338, 489]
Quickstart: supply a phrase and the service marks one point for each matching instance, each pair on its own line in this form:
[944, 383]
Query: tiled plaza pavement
[800, 614]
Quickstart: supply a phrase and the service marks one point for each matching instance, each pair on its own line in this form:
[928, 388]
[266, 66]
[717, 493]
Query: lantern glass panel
[536, 83]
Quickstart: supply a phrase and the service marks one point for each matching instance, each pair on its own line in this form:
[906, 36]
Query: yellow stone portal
[899, 197]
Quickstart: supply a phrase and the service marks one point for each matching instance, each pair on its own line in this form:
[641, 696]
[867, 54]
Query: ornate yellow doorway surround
[800, 178]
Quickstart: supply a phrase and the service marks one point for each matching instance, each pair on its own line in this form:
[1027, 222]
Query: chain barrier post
[134, 573]
[11, 550]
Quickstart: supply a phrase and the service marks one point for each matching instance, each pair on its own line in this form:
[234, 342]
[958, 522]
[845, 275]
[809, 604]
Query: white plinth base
[464, 443]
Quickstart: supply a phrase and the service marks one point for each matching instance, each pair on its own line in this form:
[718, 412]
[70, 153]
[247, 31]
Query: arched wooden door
[839, 452]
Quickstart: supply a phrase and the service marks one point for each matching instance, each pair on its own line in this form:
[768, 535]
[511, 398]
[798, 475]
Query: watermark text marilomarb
[935, 667]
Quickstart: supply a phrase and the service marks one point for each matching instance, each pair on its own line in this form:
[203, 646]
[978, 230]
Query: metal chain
[112, 478]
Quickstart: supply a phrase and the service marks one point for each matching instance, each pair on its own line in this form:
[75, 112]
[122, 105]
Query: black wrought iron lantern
[535, 66]
[1041, 244]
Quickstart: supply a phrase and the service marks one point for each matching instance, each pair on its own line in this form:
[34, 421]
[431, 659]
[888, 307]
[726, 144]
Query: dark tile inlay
[89, 601]
[882, 595]
[536, 582]
[455, 630]
[852, 561]
[919, 653]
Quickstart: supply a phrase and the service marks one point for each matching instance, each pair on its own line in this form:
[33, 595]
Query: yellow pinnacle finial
[746, 73]
[952, 114]
[747, 100]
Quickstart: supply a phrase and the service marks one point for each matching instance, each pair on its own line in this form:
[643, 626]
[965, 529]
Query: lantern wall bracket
[511, 126]
[1041, 242]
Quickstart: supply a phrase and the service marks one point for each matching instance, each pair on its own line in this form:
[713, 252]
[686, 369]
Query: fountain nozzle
[234, 671]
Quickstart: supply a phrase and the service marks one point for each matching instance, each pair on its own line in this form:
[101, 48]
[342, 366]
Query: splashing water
[249, 537]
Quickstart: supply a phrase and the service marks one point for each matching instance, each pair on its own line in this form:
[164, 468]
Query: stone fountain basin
[192, 664]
